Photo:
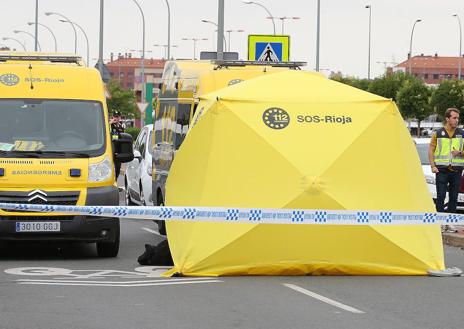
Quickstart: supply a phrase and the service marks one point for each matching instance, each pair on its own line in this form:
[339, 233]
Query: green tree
[413, 100]
[388, 85]
[122, 100]
[449, 93]
[362, 84]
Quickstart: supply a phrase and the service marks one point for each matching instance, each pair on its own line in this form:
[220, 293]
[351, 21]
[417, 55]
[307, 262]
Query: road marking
[102, 284]
[151, 231]
[63, 273]
[323, 299]
[70, 280]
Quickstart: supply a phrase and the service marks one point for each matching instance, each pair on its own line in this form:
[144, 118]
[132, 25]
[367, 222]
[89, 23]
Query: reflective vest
[445, 144]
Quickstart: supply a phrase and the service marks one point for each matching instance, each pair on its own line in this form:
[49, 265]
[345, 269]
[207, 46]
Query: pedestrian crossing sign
[268, 48]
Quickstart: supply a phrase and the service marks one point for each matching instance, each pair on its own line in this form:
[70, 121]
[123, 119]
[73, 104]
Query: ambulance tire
[109, 248]
[161, 227]
[161, 223]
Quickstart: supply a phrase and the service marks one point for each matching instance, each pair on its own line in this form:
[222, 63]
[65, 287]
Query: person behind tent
[447, 161]
[116, 129]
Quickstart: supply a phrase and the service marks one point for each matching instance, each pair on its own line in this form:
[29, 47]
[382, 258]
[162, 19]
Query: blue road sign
[268, 51]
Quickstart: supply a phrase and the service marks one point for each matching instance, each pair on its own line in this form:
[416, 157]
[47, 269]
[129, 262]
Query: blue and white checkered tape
[248, 215]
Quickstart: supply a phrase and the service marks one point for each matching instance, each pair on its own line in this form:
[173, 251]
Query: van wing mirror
[123, 148]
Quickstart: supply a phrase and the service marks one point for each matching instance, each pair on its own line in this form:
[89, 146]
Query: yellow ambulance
[56, 148]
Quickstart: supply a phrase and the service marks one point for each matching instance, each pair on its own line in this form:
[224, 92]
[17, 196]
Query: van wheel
[109, 249]
[161, 223]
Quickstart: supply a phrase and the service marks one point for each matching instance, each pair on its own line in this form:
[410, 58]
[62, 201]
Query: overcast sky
[344, 28]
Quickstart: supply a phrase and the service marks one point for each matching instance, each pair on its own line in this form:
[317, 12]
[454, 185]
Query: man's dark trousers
[446, 178]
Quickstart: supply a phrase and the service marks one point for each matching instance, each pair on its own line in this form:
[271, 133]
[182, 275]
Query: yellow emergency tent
[298, 140]
[213, 80]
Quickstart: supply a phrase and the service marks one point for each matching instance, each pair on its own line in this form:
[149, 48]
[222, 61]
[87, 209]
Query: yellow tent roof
[295, 86]
[214, 80]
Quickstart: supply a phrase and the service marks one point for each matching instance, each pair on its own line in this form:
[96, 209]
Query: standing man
[116, 129]
[447, 161]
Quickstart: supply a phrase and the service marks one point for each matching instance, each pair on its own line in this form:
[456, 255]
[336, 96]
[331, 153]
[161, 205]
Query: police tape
[247, 215]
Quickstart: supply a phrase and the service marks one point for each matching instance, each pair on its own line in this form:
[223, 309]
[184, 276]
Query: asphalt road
[51, 286]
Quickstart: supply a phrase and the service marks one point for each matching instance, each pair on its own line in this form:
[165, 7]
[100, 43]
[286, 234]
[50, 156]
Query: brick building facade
[126, 69]
[432, 69]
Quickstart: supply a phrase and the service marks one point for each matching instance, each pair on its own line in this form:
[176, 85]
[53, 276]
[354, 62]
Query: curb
[453, 239]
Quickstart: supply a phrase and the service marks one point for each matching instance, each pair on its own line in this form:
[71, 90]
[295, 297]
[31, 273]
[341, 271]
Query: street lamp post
[318, 33]
[29, 34]
[215, 24]
[220, 34]
[85, 35]
[36, 25]
[22, 44]
[195, 44]
[460, 47]
[140, 51]
[169, 30]
[267, 10]
[72, 25]
[410, 45]
[143, 53]
[230, 31]
[53, 34]
[166, 51]
[282, 19]
[100, 43]
[369, 46]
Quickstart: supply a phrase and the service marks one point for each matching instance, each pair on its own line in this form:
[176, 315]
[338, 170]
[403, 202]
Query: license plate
[38, 226]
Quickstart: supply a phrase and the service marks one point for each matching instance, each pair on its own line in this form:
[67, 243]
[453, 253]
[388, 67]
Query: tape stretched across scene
[248, 215]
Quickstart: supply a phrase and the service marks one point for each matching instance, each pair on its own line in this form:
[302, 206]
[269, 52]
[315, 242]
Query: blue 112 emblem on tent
[268, 51]
[276, 118]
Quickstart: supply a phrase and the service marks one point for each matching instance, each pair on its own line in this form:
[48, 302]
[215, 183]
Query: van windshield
[46, 127]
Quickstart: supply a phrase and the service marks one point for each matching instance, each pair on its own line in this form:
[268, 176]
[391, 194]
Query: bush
[134, 132]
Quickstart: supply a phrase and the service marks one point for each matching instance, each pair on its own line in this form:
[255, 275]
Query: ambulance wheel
[161, 223]
[109, 248]
[161, 227]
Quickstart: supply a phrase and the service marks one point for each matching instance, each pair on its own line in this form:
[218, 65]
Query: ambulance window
[183, 118]
[158, 124]
[52, 125]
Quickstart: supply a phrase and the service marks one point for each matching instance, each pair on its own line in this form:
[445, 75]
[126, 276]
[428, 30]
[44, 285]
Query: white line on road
[114, 282]
[322, 298]
[151, 231]
[102, 284]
